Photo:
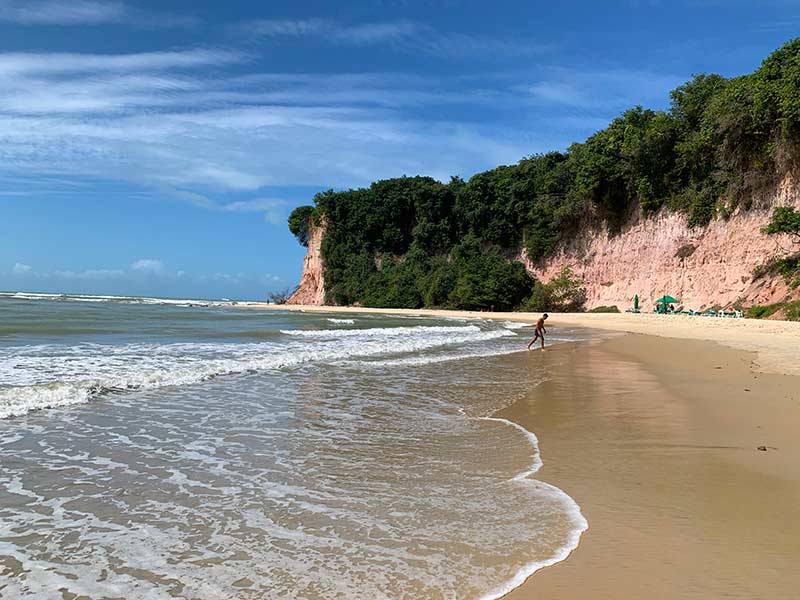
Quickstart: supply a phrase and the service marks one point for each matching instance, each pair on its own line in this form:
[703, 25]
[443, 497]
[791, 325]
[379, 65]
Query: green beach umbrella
[636, 302]
[667, 299]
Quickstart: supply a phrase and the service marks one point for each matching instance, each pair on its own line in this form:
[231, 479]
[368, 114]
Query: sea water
[181, 449]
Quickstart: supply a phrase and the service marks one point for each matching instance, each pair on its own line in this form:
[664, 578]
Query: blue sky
[157, 147]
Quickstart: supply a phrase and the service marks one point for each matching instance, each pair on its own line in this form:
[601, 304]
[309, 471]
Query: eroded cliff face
[311, 290]
[703, 267]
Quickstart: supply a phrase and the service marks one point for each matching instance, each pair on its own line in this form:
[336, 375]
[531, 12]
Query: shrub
[785, 219]
[685, 251]
[791, 310]
[565, 293]
[280, 297]
[604, 309]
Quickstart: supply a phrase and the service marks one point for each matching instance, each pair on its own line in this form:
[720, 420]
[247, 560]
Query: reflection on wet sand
[659, 448]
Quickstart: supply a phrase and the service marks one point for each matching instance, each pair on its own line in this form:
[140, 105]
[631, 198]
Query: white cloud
[61, 12]
[24, 64]
[604, 88]
[87, 12]
[275, 210]
[20, 269]
[403, 35]
[155, 120]
[283, 27]
[89, 274]
[176, 122]
[148, 265]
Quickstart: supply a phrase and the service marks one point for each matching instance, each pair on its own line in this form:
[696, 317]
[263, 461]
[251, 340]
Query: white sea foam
[513, 325]
[183, 302]
[435, 359]
[381, 331]
[573, 511]
[47, 376]
[580, 525]
[343, 321]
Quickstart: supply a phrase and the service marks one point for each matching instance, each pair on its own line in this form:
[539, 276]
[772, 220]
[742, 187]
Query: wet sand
[657, 439]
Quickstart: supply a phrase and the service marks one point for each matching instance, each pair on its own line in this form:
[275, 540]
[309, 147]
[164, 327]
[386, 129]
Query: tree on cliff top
[300, 222]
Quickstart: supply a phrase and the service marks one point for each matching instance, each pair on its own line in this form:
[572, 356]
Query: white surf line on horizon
[523, 477]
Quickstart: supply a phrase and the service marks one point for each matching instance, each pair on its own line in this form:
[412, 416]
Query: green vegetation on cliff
[413, 241]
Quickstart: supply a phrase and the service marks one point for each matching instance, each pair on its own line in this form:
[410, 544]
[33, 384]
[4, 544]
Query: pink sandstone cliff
[311, 290]
[714, 266]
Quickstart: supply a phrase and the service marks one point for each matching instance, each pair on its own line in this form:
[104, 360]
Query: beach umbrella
[667, 299]
[636, 302]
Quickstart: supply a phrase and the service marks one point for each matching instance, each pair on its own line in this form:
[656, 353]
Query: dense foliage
[785, 219]
[414, 241]
[563, 293]
[299, 222]
[790, 311]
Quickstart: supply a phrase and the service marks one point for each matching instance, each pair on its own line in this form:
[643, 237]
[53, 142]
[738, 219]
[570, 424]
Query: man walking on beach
[540, 331]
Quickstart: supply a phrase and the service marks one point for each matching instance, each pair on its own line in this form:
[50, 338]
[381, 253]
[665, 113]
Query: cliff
[703, 267]
[311, 290]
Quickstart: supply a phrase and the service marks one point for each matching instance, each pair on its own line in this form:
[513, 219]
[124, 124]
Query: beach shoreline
[774, 343]
[658, 442]
[658, 436]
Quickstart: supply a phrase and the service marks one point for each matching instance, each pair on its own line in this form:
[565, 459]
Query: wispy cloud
[274, 209]
[86, 12]
[20, 268]
[174, 119]
[90, 274]
[61, 12]
[283, 27]
[181, 123]
[602, 88]
[148, 265]
[27, 64]
[403, 35]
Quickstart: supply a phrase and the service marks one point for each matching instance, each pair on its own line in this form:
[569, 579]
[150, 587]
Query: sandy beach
[656, 435]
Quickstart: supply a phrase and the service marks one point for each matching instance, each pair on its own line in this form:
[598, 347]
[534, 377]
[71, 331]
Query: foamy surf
[514, 325]
[93, 298]
[524, 573]
[50, 376]
[571, 508]
[226, 434]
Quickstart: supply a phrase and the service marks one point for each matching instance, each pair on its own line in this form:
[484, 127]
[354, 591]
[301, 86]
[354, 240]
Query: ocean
[160, 449]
